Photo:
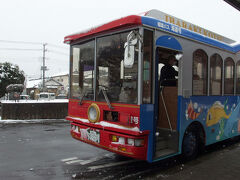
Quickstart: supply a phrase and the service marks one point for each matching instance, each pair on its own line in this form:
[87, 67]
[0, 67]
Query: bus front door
[166, 133]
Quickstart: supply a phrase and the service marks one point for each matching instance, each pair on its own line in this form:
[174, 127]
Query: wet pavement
[47, 151]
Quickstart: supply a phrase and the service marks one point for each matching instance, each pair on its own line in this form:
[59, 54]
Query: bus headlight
[93, 113]
[139, 142]
[135, 142]
[130, 141]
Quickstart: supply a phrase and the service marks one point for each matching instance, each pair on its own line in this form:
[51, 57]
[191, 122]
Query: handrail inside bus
[165, 108]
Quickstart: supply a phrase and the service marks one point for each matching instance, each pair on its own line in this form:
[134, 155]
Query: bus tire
[190, 145]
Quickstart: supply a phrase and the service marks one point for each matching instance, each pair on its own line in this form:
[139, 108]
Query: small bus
[119, 102]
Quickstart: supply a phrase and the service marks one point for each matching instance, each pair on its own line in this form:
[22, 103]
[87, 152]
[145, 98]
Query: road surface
[39, 151]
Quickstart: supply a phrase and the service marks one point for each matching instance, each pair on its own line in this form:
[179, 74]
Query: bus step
[164, 152]
[161, 144]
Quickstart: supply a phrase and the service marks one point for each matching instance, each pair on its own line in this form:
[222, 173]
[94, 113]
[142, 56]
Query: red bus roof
[132, 20]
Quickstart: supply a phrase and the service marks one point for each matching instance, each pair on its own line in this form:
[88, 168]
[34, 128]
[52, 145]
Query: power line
[57, 52]
[20, 42]
[56, 46]
[21, 57]
[35, 43]
[20, 49]
[44, 50]
[57, 59]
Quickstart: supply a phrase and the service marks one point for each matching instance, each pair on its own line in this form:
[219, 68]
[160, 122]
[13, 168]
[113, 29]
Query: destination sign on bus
[186, 25]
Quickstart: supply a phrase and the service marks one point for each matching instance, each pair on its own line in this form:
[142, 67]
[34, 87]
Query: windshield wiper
[81, 99]
[104, 91]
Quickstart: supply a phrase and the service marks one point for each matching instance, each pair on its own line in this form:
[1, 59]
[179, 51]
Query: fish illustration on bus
[216, 113]
[191, 112]
[225, 122]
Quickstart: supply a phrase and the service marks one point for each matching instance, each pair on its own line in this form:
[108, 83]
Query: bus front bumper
[123, 144]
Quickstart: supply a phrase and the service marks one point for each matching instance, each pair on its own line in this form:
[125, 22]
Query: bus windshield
[118, 82]
[82, 70]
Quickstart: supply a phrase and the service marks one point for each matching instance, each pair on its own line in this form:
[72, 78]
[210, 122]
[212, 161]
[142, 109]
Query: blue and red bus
[118, 103]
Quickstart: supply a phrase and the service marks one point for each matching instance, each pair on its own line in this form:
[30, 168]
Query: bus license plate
[91, 135]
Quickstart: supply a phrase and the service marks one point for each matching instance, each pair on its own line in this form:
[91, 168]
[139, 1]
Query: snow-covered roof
[60, 74]
[50, 83]
[34, 83]
[128, 21]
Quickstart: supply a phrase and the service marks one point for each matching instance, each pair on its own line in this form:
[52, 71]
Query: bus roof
[128, 21]
[165, 22]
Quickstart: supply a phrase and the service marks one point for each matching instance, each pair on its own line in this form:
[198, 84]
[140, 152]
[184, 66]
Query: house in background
[57, 84]
[33, 87]
[63, 79]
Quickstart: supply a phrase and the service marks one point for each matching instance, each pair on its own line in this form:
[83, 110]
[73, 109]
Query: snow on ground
[31, 121]
[36, 101]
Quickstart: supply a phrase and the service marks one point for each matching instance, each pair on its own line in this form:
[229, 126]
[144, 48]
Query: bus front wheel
[190, 145]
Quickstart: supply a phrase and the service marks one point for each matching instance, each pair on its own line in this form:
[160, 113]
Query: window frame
[94, 38]
[233, 75]
[207, 71]
[151, 62]
[102, 38]
[236, 77]
[210, 75]
[71, 68]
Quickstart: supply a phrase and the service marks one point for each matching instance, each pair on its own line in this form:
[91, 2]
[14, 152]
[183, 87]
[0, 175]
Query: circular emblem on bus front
[93, 113]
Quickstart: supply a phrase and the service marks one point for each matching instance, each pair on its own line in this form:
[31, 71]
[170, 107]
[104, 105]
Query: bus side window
[200, 72]
[229, 76]
[238, 78]
[216, 64]
[75, 67]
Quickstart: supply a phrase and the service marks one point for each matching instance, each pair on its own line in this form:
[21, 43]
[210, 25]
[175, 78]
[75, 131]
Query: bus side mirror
[132, 39]
[128, 55]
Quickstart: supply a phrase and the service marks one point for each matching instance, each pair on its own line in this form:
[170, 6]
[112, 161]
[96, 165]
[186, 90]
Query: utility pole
[44, 68]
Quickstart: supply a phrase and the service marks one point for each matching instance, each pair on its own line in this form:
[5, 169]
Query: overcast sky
[49, 21]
